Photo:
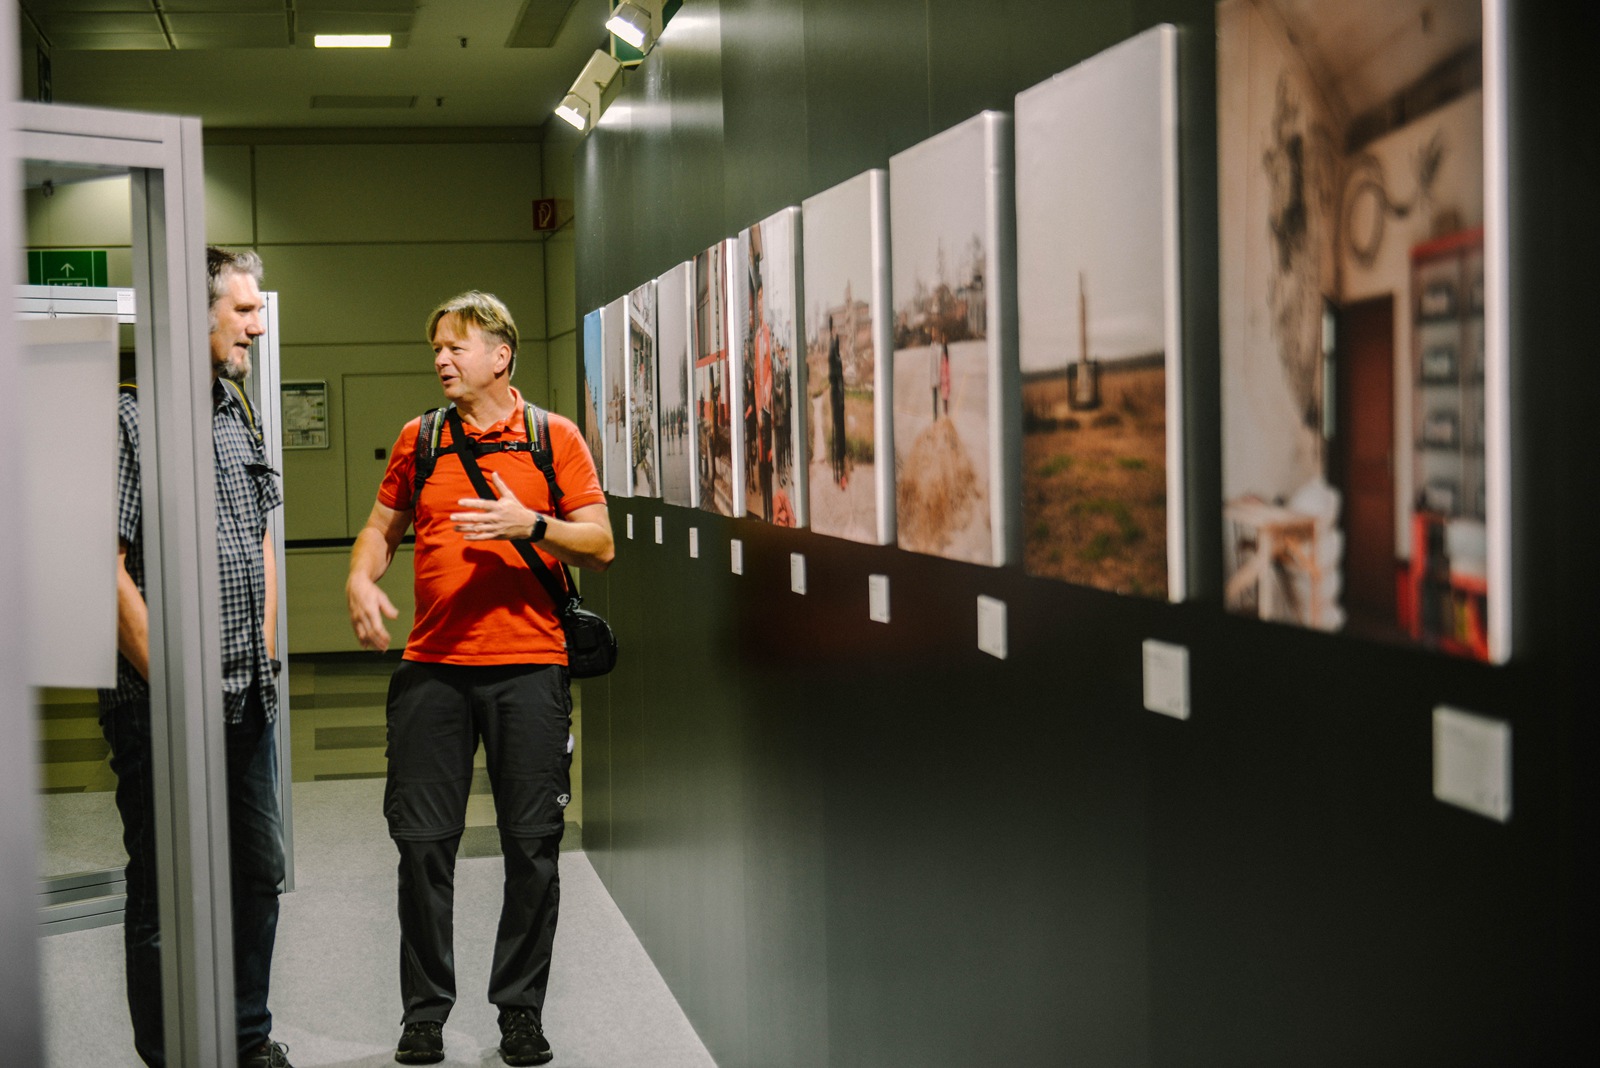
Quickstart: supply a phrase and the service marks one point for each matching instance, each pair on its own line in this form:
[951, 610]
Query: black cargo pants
[437, 713]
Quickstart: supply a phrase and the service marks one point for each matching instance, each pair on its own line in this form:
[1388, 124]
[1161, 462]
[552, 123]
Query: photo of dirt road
[1097, 311]
[942, 461]
[954, 490]
[847, 366]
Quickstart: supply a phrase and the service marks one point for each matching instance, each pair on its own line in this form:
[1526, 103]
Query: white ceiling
[247, 63]
[1363, 52]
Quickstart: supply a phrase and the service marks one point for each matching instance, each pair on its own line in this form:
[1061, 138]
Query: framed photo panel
[956, 444]
[672, 337]
[849, 448]
[1365, 451]
[766, 335]
[713, 382]
[594, 393]
[1098, 321]
[643, 431]
[614, 372]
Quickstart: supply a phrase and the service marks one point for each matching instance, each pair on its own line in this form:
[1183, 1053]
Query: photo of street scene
[642, 391]
[851, 494]
[672, 337]
[593, 393]
[614, 345]
[766, 339]
[950, 478]
[1097, 311]
[713, 382]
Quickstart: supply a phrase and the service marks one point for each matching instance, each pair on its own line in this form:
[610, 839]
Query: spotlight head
[574, 110]
[631, 23]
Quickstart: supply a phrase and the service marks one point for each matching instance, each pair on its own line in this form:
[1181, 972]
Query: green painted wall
[360, 240]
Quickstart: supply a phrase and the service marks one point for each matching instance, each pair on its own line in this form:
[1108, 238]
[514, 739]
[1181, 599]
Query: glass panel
[80, 255]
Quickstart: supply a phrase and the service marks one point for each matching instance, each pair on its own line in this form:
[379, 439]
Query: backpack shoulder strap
[249, 413]
[427, 450]
[538, 423]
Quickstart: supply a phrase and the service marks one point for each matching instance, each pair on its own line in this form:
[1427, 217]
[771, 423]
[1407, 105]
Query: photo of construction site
[1098, 319]
[850, 494]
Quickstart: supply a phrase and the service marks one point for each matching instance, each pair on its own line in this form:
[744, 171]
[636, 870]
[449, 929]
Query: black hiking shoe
[267, 1055]
[521, 1038]
[422, 1042]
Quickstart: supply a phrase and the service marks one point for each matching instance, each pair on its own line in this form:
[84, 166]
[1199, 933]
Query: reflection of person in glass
[486, 660]
[836, 408]
[246, 490]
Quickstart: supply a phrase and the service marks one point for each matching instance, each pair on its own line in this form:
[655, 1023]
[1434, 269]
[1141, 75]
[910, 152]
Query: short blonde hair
[483, 310]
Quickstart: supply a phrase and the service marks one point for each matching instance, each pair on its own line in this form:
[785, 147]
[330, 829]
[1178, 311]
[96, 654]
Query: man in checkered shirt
[246, 490]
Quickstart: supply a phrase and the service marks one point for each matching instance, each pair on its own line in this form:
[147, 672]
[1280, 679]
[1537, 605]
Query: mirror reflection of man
[486, 659]
[246, 491]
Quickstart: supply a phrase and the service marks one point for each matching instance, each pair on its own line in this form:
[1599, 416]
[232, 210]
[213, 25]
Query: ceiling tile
[539, 24]
[224, 6]
[264, 23]
[40, 7]
[110, 42]
[351, 22]
[210, 42]
[56, 23]
[403, 7]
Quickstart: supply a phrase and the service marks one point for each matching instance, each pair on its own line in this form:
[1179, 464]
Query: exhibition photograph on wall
[1358, 453]
[1098, 321]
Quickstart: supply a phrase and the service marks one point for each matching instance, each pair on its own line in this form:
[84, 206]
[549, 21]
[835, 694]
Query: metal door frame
[163, 156]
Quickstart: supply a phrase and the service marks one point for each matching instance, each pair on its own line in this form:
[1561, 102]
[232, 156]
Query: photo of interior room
[1350, 152]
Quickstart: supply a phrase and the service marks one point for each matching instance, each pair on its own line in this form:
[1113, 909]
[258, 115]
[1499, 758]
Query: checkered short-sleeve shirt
[246, 490]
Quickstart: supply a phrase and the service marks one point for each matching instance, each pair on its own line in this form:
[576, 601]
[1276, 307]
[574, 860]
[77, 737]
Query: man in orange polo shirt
[486, 659]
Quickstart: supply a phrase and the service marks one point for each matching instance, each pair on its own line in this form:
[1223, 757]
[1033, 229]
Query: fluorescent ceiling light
[574, 110]
[631, 23]
[351, 40]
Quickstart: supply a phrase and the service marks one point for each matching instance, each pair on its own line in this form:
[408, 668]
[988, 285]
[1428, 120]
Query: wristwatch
[539, 525]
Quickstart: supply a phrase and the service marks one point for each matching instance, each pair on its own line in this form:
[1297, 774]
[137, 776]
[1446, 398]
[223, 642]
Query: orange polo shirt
[477, 601]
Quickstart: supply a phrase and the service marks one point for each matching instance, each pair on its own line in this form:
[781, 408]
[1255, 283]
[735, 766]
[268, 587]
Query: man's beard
[235, 368]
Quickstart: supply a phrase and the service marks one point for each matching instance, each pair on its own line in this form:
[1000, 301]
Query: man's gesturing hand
[504, 519]
[368, 607]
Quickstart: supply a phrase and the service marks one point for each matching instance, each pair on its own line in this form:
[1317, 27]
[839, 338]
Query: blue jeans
[255, 837]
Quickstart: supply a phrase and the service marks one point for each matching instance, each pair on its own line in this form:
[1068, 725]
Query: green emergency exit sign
[67, 267]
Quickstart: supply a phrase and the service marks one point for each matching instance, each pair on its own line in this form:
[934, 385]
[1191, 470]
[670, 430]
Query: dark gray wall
[850, 844]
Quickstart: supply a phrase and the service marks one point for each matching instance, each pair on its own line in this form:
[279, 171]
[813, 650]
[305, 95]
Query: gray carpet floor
[335, 997]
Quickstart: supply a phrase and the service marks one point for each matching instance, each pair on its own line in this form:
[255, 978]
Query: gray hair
[220, 263]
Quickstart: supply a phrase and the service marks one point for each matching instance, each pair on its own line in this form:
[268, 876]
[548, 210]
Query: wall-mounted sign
[305, 415]
[545, 214]
[67, 267]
